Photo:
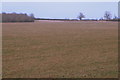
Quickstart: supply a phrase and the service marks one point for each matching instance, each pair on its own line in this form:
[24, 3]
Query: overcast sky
[62, 9]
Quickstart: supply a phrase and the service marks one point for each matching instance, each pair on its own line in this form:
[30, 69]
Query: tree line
[107, 16]
[14, 17]
[23, 17]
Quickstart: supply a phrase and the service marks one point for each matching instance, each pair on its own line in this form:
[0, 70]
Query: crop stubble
[46, 49]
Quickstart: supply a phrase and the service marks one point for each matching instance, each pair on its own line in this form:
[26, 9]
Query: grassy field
[48, 49]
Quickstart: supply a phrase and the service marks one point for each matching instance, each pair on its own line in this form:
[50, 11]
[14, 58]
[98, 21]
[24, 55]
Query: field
[57, 49]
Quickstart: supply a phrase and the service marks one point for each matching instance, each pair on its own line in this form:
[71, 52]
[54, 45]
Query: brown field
[46, 49]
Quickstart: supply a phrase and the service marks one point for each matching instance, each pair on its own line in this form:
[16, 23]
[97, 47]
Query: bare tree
[81, 15]
[32, 15]
[107, 15]
[115, 17]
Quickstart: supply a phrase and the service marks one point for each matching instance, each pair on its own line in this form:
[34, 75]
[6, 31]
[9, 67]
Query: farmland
[58, 49]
